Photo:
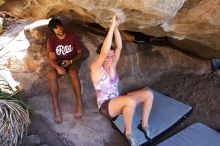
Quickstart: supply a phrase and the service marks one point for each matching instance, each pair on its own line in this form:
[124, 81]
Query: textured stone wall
[195, 20]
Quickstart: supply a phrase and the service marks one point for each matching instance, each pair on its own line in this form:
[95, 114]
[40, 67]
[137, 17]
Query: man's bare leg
[53, 87]
[77, 90]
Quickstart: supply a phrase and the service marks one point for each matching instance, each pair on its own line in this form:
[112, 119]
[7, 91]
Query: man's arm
[78, 47]
[53, 60]
[52, 55]
[78, 56]
[54, 64]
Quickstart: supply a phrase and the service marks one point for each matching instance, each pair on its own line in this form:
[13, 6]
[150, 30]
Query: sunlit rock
[1, 24]
[196, 20]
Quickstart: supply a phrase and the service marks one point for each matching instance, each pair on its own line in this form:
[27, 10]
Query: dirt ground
[202, 92]
[199, 91]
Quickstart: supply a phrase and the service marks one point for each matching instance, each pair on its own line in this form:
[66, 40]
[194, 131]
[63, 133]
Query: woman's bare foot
[57, 118]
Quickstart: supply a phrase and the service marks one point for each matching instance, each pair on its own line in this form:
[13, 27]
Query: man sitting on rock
[64, 54]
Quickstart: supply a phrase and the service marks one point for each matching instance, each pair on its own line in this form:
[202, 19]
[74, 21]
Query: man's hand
[66, 63]
[60, 70]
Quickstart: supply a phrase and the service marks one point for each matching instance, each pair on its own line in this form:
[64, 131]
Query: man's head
[56, 26]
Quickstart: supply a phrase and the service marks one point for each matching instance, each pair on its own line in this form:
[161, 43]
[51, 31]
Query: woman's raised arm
[106, 46]
[118, 46]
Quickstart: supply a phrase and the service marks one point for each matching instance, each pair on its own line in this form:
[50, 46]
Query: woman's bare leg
[125, 105]
[144, 96]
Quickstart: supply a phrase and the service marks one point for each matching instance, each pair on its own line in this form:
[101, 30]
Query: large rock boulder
[195, 20]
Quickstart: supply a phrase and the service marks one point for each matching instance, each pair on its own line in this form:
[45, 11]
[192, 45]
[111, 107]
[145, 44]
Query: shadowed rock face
[195, 20]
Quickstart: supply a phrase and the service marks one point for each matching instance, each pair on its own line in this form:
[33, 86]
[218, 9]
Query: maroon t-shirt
[66, 48]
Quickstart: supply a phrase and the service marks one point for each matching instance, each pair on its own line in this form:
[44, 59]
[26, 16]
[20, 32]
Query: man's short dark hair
[53, 23]
[98, 50]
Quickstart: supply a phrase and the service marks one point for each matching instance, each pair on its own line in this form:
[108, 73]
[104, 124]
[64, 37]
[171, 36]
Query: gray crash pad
[165, 113]
[195, 135]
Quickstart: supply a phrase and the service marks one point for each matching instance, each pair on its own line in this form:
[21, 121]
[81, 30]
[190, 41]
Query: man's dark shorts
[105, 112]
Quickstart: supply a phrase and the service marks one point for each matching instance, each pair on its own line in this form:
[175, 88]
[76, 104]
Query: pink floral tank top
[106, 89]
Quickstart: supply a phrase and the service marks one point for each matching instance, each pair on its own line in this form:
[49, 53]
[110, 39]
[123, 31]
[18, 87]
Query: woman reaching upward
[105, 80]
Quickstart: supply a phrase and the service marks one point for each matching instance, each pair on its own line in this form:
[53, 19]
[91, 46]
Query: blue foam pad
[164, 114]
[195, 135]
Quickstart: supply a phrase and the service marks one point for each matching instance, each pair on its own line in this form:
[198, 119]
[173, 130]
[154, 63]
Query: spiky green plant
[14, 115]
